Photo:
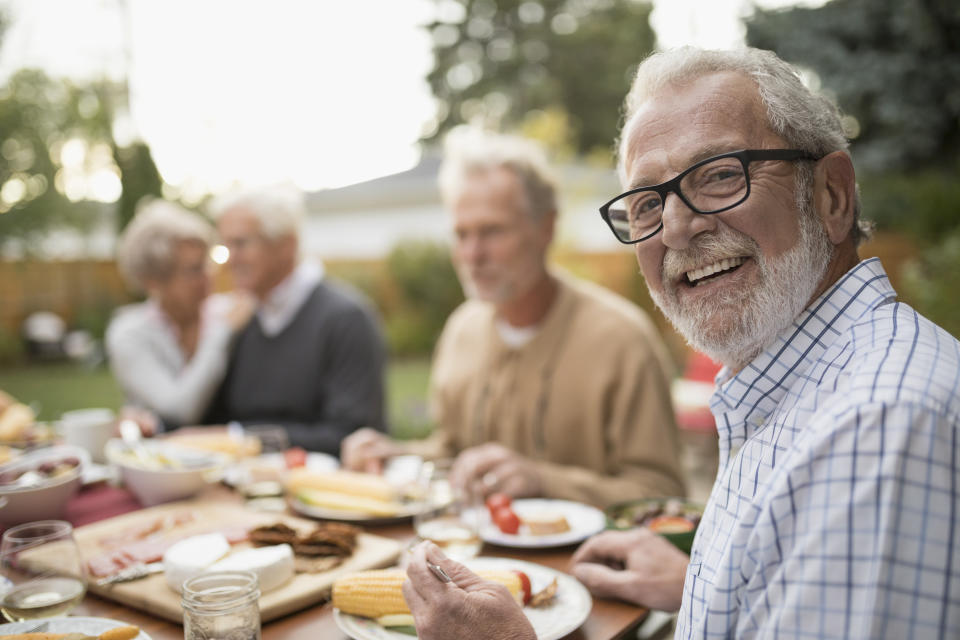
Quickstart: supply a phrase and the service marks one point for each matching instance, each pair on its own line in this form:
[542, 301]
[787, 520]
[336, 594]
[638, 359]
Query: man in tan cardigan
[542, 384]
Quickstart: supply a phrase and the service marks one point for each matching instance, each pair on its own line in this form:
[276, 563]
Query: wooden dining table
[608, 619]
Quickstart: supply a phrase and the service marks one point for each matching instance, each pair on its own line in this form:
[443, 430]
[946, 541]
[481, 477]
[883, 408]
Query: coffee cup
[89, 429]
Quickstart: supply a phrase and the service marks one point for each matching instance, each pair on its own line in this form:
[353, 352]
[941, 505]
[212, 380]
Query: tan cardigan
[587, 399]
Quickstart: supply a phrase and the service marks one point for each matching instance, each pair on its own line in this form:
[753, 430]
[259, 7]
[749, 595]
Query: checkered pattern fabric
[836, 507]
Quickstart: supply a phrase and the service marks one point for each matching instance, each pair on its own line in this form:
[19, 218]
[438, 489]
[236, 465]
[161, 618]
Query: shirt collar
[284, 300]
[743, 402]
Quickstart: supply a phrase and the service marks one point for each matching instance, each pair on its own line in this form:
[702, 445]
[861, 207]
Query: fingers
[424, 584]
[603, 548]
[364, 450]
[604, 582]
[471, 465]
[492, 468]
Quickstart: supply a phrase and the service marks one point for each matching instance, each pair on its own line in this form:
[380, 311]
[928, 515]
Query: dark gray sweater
[321, 378]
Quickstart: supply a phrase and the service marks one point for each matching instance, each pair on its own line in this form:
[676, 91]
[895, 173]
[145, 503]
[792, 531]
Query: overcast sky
[322, 93]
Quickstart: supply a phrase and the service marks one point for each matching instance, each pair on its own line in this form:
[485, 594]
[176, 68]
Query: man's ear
[834, 188]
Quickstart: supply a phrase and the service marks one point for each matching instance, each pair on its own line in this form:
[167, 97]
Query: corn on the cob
[374, 594]
[347, 502]
[351, 483]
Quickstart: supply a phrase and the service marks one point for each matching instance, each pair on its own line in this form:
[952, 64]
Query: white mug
[90, 429]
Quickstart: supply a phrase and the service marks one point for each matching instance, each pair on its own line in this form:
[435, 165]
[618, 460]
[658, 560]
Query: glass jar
[221, 606]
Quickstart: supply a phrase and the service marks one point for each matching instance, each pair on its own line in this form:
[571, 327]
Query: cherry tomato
[506, 520]
[525, 586]
[295, 457]
[497, 500]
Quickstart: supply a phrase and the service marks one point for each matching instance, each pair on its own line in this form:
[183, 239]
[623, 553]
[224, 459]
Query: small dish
[153, 481]
[71, 624]
[584, 521]
[667, 511]
[45, 497]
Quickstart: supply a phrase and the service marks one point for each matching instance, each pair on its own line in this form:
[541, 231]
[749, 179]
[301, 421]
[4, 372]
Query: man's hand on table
[492, 468]
[367, 450]
[466, 608]
[637, 566]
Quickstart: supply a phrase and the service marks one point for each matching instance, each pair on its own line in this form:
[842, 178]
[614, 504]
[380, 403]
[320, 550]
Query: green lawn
[54, 388]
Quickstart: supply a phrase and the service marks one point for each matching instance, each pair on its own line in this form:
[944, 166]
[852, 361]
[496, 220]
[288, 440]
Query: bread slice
[546, 523]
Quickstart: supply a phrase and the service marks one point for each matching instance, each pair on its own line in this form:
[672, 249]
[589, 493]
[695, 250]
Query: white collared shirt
[839, 514]
[285, 299]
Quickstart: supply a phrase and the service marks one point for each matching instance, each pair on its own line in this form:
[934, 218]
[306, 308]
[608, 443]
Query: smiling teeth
[716, 267]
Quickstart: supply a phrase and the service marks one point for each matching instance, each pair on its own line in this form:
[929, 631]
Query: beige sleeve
[641, 437]
[439, 444]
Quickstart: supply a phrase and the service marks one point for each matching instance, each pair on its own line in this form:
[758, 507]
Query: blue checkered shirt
[836, 506]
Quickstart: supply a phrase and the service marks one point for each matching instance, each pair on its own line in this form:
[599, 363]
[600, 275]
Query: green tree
[507, 62]
[894, 65]
[138, 177]
[38, 116]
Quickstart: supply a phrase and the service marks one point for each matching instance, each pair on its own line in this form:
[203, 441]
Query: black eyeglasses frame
[745, 156]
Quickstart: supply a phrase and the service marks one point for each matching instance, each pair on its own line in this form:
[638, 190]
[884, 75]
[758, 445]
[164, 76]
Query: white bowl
[154, 486]
[48, 499]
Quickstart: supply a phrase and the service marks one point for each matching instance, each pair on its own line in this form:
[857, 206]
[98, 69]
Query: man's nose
[681, 223]
[471, 247]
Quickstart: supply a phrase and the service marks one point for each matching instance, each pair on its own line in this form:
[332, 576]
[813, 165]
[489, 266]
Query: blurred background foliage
[547, 67]
[894, 68]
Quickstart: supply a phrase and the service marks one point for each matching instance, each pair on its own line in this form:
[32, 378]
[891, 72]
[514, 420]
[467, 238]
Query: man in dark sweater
[312, 359]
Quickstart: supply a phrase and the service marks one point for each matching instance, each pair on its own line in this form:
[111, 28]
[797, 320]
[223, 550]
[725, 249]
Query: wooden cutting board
[153, 595]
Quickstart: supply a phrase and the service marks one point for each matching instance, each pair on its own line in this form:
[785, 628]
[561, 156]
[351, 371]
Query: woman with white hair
[170, 353]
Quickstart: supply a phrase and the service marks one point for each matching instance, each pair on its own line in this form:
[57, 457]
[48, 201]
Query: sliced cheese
[273, 565]
[191, 556]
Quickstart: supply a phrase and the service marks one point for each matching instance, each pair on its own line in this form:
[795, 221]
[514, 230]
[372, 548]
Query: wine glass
[43, 571]
[445, 516]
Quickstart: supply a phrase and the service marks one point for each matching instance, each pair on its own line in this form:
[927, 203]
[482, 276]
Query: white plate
[399, 471]
[322, 513]
[569, 610]
[72, 624]
[583, 519]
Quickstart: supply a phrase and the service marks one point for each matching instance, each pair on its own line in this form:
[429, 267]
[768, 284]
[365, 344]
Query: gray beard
[738, 324]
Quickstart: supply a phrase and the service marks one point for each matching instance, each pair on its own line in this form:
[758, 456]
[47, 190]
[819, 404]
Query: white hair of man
[280, 210]
[803, 118]
[468, 151]
[147, 247]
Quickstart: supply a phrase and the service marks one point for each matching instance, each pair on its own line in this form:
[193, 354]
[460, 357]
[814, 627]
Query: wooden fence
[85, 293]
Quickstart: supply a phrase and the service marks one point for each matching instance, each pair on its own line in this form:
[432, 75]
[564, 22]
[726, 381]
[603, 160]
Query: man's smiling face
[729, 281]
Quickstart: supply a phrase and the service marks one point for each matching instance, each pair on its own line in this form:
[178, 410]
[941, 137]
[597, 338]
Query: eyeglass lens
[708, 188]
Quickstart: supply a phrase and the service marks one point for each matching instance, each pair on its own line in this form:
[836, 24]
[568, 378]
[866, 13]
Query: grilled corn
[347, 502]
[375, 594]
[364, 485]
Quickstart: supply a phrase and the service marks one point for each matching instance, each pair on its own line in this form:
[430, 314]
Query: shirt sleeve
[178, 397]
[641, 435]
[860, 538]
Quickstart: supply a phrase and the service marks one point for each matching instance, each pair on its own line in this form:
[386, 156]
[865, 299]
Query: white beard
[734, 327]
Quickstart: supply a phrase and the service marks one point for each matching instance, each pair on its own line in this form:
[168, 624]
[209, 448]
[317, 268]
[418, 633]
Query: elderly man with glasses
[835, 509]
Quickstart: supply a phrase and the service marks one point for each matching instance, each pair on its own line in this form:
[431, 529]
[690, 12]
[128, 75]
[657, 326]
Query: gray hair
[280, 210]
[147, 248]
[804, 119]
[468, 151]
